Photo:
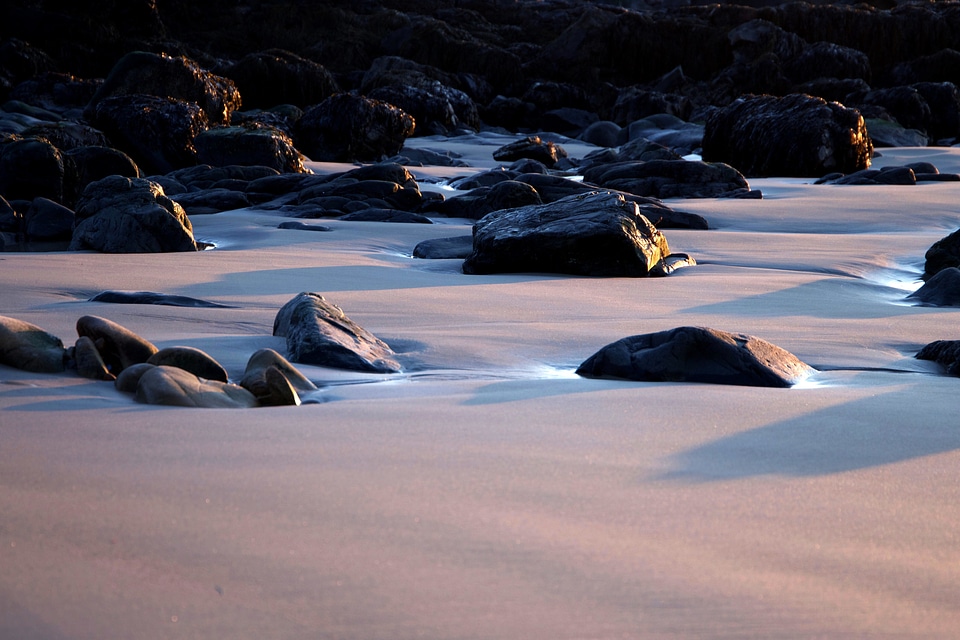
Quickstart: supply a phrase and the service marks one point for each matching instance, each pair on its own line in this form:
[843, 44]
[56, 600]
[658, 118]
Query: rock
[345, 128]
[158, 133]
[66, 135]
[190, 359]
[697, 354]
[479, 202]
[821, 59]
[237, 177]
[904, 103]
[249, 145]
[47, 220]
[302, 226]
[593, 234]
[531, 147]
[603, 133]
[941, 290]
[28, 347]
[635, 103]
[88, 362]
[211, 201]
[436, 108]
[943, 99]
[903, 176]
[118, 346]
[422, 157]
[96, 163]
[175, 387]
[319, 333]
[943, 253]
[276, 76]
[889, 133]
[10, 220]
[442, 248]
[797, 135]
[943, 352]
[130, 215]
[682, 138]
[150, 297]
[31, 168]
[56, 92]
[174, 77]
[385, 215]
[669, 178]
[129, 378]
[273, 380]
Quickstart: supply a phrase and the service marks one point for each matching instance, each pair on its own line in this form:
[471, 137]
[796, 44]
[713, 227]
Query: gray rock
[172, 386]
[319, 333]
[887, 133]
[593, 234]
[28, 347]
[190, 359]
[941, 290]
[697, 354]
[129, 378]
[118, 346]
[796, 135]
[130, 215]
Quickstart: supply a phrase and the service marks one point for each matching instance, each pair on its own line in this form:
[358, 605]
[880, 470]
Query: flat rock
[152, 297]
[697, 354]
[320, 333]
[28, 347]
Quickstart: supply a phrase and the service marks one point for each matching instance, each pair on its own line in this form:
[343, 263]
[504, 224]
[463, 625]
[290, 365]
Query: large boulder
[796, 135]
[347, 127]
[48, 220]
[249, 144]
[94, 163]
[31, 168]
[593, 234]
[272, 77]
[176, 387]
[669, 178]
[28, 347]
[320, 333]
[508, 194]
[157, 132]
[165, 76]
[697, 354]
[130, 215]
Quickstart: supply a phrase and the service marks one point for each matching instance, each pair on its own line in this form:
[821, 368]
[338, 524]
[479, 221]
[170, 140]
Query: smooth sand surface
[487, 491]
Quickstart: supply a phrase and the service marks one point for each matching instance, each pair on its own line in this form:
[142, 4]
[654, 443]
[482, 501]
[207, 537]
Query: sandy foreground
[487, 491]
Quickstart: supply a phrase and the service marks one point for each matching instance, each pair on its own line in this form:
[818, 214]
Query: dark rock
[28, 347]
[669, 131]
[944, 65]
[568, 121]
[889, 133]
[56, 92]
[422, 157]
[211, 201]
[96, 163]
[904, 103]
[174, 77]
[130, 215]
[797, 135]
[697, 354]
[249, 145]
[444, 248]
[944, 102]
[87, 361]
[642, 149]
[158, 133]
[66, 135]
[374, 214]
[345, 127]
[150, 297]
[945, 353]
[302, 226]
[603, 133]
[190, 359]
[669, 178]
[531, 147]
[944, 253]
[272, 77]
[940, 290]
[886, 176]
[436, 108]
[319, 333]
[48, 220]
[10, 220]
[176, 387]
[636, 103]
[483, 179]
[31, 169]
[594, 234]
[273, 380]
[479, 202]
[128, 379]
[833, 89]
[204, 176]
[821, 59]
[118, 346]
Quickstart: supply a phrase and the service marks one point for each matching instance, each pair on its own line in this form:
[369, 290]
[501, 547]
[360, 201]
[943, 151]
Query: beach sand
[487, 491]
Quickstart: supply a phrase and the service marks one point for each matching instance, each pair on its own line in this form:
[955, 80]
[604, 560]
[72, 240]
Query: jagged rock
[669, 178]
[28, 347]
[165, 76]
[345, 128]
[941, 290]
[276, 76]
[130, 215]
[943, 253]
[532, 147]
[273, 380]
[697, 354]
[157, 132]
[190, 359]
[172, 386]
[943, 352]
[593, 234]
[88, 362]
[249, 145]
[797, 135]
[31, 168]
[319, 333]
[118, 346]
[48, 220]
